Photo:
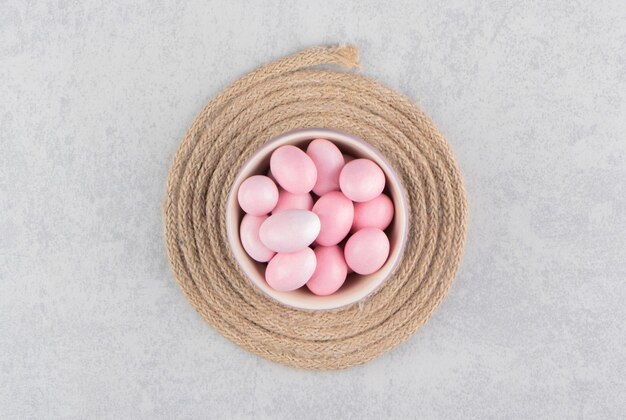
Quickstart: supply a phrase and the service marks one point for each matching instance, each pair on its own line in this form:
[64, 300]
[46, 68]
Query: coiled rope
[282, 96]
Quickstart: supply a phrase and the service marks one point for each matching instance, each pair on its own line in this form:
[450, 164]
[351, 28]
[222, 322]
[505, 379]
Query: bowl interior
[356, 286]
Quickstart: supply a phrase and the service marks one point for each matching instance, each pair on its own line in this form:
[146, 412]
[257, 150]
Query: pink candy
[289, 201]
[376, 213]
[350, 200]
[290, 230]
[293, 169]
[331, 271]
[291, 271]
[336, 214]
[361, 180]
[249, 232]
[367, 250]
[329, 163]
[257, 195]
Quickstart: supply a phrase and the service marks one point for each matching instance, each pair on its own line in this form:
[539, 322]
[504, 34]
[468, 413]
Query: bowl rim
[301, 135]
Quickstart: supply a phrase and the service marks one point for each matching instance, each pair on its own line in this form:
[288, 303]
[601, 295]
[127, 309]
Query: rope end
[348, 56]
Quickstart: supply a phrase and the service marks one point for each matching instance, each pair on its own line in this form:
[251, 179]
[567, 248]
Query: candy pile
[321, 199]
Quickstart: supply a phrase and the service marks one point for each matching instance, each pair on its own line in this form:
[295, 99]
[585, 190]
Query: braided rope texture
[293, 93]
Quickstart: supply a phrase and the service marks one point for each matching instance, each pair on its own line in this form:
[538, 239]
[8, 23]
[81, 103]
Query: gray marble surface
[94, 100]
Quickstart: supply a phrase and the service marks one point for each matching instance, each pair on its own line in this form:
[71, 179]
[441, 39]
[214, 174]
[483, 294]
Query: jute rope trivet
[282, 96]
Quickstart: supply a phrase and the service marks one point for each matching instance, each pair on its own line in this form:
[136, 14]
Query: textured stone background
[94, 101]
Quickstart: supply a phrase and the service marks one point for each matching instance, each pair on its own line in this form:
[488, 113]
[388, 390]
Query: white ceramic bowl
[356, 286]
